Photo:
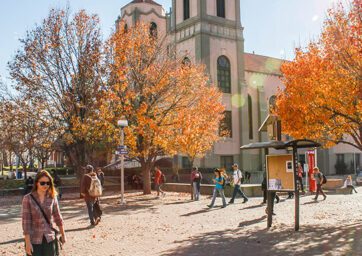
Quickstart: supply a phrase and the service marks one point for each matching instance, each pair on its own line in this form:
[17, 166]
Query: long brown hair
[51, 190]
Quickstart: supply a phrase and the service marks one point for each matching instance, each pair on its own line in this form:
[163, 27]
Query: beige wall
[127, 11]
[180, 10]
[187, 47]
[229, 9]
[228, 146]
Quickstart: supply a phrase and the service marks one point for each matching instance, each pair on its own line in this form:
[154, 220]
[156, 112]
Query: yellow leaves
[170, 108]
[322, 96]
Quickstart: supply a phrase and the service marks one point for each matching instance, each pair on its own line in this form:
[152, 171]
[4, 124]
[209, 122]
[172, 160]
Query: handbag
[58, 244]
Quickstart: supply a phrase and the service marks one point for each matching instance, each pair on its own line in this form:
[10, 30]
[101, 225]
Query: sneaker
[97, 221]
[231, 202]
[325, 197]
[223, 206]
[210, 206]
[315, 199]
[245, 200]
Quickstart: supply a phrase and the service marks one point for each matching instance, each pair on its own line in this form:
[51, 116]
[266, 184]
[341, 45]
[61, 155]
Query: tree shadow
[202, 211]
[253, 206]
[252, 222]
[310, 240]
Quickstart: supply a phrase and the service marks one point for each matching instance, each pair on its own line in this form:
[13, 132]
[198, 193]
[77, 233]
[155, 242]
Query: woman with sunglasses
[40, 210]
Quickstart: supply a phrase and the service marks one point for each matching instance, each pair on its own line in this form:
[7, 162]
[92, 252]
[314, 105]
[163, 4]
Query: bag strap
[44, 215]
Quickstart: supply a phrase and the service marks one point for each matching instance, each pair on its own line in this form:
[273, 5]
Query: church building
[210, 32]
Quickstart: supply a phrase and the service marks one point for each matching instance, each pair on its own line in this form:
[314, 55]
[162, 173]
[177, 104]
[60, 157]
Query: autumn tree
[322, 99]
[59, 67]
[158, 96]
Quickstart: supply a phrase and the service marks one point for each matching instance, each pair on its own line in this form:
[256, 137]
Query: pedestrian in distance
[159, 181]
[196, 178]
[264, 189]
[39, 209]
[219, 181]
[320, 180]
[91, 190]
[100, 176]
[301, 174]
[237, 177]
[29, 183]
[348, 183]
[58, 184]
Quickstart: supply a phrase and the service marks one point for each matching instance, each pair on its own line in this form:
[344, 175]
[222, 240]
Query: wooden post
[270, 207]
[296, 190]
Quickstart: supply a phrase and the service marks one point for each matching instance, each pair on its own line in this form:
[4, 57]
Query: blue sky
[272, 27]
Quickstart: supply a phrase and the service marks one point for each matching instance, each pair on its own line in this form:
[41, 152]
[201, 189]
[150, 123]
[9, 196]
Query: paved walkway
[175, 226]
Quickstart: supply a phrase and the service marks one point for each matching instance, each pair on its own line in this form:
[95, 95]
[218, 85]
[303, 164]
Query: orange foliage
[170, 107]
[322, 99]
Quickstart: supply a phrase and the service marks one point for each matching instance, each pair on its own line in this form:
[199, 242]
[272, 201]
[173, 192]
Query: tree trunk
[146, 172]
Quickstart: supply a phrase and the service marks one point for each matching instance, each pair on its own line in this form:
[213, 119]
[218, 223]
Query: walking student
[91, 189]
[349, 184]
[319, 178]
[301, 174]
[219, 181]
[196, 178]
[159, 180]
[39, 209]
[237, 176]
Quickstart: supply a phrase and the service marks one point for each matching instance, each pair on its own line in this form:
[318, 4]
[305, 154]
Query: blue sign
[120, 148]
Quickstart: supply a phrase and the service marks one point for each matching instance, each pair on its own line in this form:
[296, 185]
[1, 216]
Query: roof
[145, 1]
[262, 64]
[302, 143]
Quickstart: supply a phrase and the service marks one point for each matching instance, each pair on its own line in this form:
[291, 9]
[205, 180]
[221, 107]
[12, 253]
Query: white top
[348, 182]
[237, 175]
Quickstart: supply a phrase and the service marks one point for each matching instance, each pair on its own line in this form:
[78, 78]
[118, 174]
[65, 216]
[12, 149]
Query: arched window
[186, 62]
[186, 9]
[223, 74]
[250, 113]
[220, 7]
[153, 29]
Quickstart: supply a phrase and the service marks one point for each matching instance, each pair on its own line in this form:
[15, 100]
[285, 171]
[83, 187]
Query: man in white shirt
[237, 176]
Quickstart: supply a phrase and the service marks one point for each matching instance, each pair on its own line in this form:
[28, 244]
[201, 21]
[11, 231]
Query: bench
[344, 191]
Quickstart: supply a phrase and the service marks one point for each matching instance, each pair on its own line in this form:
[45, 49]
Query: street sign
[124, 152]
[120, 148]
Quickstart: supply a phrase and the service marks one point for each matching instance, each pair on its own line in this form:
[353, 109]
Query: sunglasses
[44, 183]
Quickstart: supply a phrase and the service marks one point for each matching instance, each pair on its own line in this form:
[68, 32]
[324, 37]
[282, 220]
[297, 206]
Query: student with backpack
[196, 178]
[91, 189]
[320, 180]
[237, 176]
[160, 179]
[219, 181]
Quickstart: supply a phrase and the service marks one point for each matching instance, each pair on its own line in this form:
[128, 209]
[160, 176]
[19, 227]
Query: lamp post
[122, 123]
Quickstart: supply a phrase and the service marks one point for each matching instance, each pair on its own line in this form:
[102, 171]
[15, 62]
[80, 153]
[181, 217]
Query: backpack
[163, 178]
[223, 182]
[197, 177]
[324, 179]
[95, 188]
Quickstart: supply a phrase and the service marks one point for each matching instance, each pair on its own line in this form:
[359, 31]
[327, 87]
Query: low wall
[251, 190]
[333, 183]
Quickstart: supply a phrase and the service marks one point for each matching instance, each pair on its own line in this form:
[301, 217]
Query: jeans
[90, 207]
[319, 190]
[236, 191]
[221, 193]
[300, 180]
[196, 187]
[44, 248]
[352, 187]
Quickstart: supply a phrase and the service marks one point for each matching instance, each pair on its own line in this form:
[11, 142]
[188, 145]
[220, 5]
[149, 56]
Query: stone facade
[205, 31]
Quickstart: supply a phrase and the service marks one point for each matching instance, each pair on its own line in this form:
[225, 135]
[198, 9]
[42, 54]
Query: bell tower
[210, 32]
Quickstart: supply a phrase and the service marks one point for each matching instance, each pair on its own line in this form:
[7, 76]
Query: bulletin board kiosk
[281, 170]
